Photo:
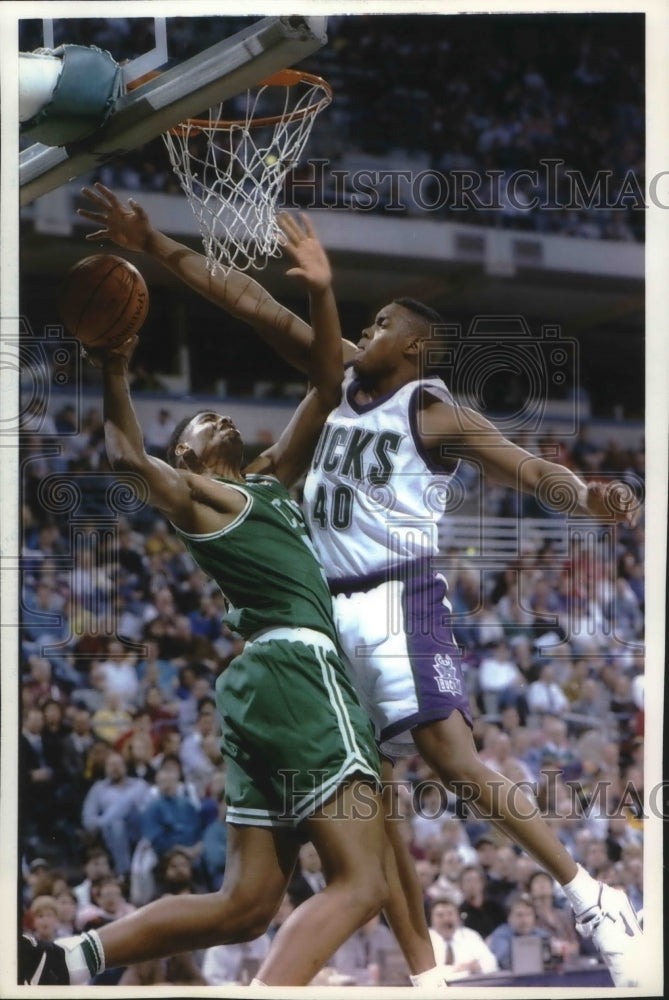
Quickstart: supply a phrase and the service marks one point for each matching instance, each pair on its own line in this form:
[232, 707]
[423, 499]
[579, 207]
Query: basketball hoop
[232, 171]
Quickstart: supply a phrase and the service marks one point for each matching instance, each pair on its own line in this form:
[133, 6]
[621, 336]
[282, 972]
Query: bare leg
[259, 864]
[404, 909]
[351, 849]
[448, 747]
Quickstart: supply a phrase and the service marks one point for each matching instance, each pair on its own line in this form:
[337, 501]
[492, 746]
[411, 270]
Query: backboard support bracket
[215, 74]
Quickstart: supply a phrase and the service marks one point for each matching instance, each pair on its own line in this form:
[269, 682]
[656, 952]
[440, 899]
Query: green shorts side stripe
[292, 732]
[336, 700]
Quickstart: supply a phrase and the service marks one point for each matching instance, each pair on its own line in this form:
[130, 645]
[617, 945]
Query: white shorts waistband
[309, 636]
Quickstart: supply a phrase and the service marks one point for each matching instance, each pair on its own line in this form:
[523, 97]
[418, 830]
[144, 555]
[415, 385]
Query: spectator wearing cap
[38, 880]
[521, 922]
[461, 949]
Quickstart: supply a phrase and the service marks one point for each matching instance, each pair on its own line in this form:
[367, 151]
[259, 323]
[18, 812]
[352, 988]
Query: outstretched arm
[325, 368]
[288, 458]
[124, 442]
[467, 434]
[240, 295]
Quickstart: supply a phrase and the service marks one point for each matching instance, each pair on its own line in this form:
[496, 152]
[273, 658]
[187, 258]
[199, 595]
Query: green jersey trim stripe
[229, 527]
[337, 702]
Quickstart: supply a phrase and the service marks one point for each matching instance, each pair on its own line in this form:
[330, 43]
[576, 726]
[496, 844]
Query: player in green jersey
[300, 752]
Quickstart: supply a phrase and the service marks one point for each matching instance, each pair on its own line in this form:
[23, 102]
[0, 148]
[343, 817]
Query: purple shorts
[397, 640]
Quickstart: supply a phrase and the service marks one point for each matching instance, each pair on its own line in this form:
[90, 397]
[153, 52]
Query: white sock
[84, 956]
[429, 978]
[582, 892]
[257, 982]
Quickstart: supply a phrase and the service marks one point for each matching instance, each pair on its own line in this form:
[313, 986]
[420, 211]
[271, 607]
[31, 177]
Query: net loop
[232, 171]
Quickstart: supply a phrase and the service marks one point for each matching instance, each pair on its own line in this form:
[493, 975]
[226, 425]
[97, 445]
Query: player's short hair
[431, 317]
[175, 437]
[427, 312]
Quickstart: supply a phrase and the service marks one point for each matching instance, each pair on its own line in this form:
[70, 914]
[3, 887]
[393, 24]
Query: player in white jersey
[374, 498]
[392, 615]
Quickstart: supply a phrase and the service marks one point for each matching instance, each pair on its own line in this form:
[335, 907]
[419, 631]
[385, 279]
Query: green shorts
[292, 729]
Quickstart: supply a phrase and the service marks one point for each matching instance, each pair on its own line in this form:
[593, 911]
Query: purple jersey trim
[360, 584]
[420, 719]
[434, 656]
[421, 450]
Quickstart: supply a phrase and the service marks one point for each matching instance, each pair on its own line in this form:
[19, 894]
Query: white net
[232, 172]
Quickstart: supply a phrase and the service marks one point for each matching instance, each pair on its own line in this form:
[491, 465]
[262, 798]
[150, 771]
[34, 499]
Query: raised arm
[467, 434]
[167, 488]
[289, 457]
[325, 368]
[237, 293]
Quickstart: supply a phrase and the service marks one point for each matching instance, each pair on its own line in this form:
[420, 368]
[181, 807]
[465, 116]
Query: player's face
[213, 439]
[382, 345]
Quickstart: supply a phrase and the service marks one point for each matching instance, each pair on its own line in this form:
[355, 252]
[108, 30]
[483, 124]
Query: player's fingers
[295, 272]
[108, 194]
[290, 227]
[89, 214]
[94, 196]
[138, 210]
[308, 225]
[101, 234]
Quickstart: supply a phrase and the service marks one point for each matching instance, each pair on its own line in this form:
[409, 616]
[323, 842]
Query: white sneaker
[613, 926]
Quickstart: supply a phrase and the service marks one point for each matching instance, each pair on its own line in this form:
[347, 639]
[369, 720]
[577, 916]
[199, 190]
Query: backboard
[212, 75]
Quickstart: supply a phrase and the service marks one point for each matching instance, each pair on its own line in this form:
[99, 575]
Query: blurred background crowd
[121, 790]
[491, 96]
[121, 780]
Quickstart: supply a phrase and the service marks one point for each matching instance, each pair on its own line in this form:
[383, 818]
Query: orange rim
[284, 78]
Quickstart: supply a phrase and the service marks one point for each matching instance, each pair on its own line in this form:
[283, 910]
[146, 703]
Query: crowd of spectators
[121, 780]
[492, 96]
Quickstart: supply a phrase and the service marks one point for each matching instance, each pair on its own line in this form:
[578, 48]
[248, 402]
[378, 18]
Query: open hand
[128, 225]
[303, 245]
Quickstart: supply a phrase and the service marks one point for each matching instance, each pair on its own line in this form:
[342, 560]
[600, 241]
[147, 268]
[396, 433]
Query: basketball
[103, 301]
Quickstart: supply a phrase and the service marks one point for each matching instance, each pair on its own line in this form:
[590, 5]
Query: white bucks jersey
[373, 497]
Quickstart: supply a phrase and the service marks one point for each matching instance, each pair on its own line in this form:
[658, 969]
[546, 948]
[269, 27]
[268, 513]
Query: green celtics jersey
[265, 564]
